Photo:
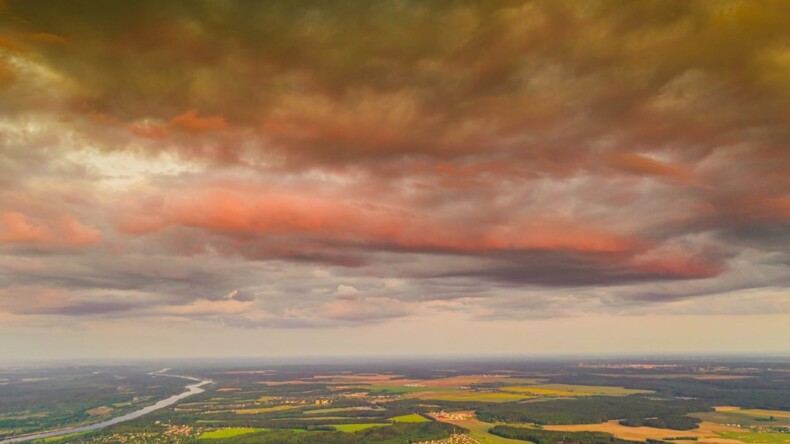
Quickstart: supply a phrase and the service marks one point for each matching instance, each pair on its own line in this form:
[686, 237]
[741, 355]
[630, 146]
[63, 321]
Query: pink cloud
[65, 230]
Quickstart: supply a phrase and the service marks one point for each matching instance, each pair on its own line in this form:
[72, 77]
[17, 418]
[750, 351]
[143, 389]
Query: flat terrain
[350, 428]
[757, 437]
[228, 433]
[568, 390]
[398, 404]
[479, 431]
[746, 417]
[409, 418]
[707, 432]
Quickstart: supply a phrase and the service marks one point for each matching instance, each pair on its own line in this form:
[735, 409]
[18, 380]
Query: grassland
[351, 428]
[757, 437]
[228, 433]
[409, 418]
[68, 437]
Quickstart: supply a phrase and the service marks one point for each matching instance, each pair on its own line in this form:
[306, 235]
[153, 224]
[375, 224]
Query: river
[192, 389]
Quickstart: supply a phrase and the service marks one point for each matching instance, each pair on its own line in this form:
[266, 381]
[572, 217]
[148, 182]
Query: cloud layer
[313, 164]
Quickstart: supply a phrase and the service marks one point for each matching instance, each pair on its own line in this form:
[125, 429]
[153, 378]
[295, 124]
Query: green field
[351, 428]
[64, 437]
[228, 433]
[409, 418]
[747, 418]
[757, 437]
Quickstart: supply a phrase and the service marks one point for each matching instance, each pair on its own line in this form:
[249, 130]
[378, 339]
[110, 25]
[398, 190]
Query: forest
[538, 436]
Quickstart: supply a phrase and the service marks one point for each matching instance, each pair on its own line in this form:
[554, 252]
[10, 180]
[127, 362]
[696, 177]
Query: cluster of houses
[452, 416]
[454, 439]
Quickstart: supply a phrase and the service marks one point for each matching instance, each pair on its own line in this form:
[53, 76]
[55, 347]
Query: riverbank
[191, 389]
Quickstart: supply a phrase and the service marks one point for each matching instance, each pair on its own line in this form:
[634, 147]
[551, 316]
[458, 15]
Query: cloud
[346, 163]
[365, 309]
[66, 230]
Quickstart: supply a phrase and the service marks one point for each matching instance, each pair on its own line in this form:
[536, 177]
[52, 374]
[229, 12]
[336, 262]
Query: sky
[218, 178]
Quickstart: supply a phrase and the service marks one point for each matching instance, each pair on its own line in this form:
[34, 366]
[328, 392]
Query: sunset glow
[222, 178]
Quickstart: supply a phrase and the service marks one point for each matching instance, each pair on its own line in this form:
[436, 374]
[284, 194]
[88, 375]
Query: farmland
[395, 404]
[228, 433]
[757, 437]
[567, 390]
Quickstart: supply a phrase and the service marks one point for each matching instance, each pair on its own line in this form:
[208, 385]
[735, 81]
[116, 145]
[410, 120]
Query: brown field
[726, 408]
[228, 389]
[706, 432]
[678, 375]
[98, 411]
[461, 381]
[356, 377]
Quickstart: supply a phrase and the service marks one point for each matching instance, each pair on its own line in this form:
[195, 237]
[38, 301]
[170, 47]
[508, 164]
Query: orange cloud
[66, 230]
[189, 122]
[252, 212]
[642, 165]
[45, 37]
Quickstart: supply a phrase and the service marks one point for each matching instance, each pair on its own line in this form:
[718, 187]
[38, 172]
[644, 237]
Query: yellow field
[468, 395]
[459, 388]
[351, 428]
[707, 432]
[409, 418]
[745, 417]
[764, 413]
[228, 432]
[567, 390]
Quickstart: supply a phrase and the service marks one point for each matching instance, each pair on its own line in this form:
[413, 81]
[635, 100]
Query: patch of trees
[767, 390]
[539, 436]
[588, 410]
[667, 422]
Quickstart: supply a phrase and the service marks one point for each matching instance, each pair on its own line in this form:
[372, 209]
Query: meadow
[757, 437]
[228, 433]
